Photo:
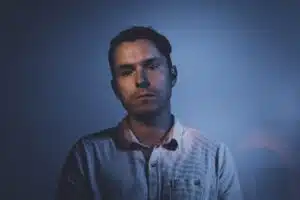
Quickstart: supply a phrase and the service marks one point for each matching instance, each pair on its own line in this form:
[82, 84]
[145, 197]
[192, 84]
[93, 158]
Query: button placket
[153, 167]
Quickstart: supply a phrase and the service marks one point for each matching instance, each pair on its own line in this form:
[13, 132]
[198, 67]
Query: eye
[153, 65]
[126, 72]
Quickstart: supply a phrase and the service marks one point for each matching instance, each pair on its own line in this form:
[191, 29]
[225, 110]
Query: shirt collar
[126, 137]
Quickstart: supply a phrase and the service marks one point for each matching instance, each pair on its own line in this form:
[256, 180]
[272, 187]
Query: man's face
[142, 80]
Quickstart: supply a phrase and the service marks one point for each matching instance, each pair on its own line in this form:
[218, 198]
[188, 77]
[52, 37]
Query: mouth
[145, 96]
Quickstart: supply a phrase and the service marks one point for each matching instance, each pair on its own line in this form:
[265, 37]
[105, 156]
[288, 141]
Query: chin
[146, 112]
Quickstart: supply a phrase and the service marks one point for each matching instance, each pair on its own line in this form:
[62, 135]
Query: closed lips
[146, 95]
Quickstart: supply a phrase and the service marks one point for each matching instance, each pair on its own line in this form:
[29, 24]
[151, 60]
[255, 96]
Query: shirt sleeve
[73, 181]
[228, 181]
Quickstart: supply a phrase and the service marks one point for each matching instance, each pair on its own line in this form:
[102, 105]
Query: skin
[140, 67]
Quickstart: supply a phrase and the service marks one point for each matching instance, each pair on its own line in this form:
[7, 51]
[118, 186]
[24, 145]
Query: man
[149, 154]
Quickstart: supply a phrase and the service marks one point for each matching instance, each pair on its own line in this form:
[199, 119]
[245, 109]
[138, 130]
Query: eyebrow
[144, 62]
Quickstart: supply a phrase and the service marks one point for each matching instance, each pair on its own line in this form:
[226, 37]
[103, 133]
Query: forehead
[135, 52]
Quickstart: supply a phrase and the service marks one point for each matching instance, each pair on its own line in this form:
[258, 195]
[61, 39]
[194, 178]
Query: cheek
[125, 90]
[158, 79]
[161, 82]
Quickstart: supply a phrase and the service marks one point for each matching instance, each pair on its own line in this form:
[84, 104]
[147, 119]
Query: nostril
[143, 84]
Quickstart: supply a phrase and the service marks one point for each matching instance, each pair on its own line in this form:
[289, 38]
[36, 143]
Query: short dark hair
[140, 32]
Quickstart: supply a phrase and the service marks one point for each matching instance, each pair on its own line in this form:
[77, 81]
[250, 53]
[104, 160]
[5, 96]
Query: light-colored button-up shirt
[105, 166]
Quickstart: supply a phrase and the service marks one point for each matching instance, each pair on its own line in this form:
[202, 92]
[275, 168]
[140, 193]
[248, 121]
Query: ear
[114, 88]
[174, 75]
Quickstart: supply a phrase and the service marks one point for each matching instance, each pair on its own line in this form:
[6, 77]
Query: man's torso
[189, 172]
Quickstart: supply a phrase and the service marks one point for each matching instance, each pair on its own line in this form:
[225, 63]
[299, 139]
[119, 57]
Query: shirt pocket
[183, 189]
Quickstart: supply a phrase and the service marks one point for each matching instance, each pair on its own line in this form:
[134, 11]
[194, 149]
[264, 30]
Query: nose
[142, 79]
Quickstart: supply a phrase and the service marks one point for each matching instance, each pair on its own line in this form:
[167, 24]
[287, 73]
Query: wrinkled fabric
[100, 167]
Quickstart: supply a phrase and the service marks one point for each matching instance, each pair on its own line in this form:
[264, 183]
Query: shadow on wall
[268, 162]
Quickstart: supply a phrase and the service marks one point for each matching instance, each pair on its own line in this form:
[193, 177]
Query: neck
[150, 130]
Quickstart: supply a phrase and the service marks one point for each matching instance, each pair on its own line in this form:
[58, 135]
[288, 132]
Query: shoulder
[206, 144]
[101, 139]
[103, 135]
[202, 140]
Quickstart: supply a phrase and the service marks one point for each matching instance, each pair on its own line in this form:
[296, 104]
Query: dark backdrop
[238, 65]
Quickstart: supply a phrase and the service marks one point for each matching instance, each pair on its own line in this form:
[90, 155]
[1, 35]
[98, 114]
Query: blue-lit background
[238, 67]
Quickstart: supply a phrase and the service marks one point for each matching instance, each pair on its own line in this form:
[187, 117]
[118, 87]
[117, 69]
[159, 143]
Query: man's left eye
[153, 66]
